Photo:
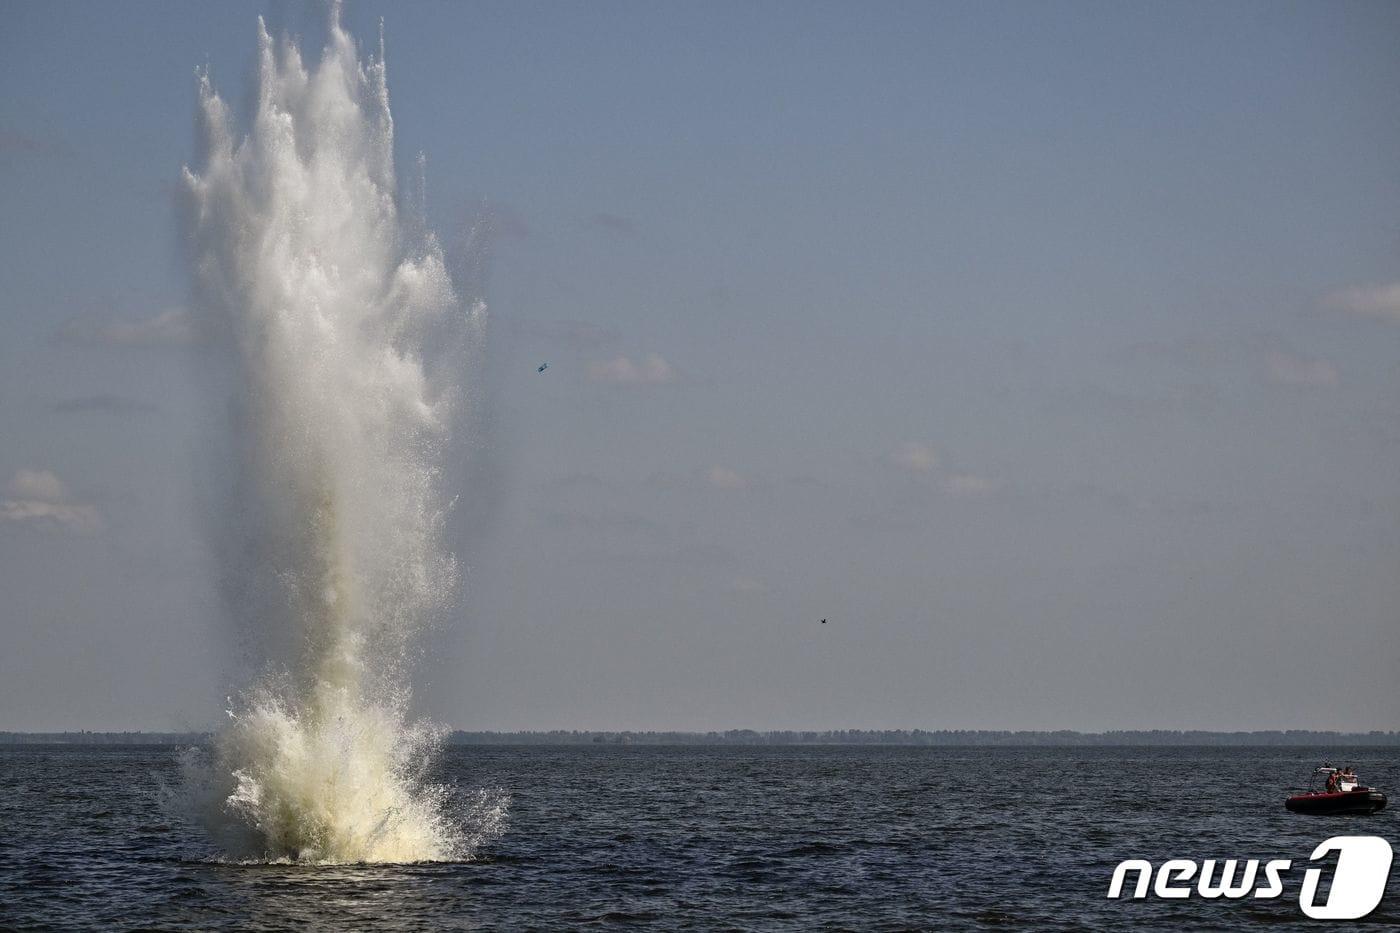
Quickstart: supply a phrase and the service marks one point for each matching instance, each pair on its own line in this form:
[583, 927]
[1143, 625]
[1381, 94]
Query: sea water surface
[764, 838]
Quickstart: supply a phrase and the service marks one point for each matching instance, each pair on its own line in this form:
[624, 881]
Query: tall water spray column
[323, 297]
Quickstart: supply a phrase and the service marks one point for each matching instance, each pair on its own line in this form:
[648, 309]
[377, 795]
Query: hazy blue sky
[1051, 351]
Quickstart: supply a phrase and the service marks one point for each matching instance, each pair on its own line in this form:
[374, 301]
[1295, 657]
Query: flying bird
[823, 621]
[543, 367]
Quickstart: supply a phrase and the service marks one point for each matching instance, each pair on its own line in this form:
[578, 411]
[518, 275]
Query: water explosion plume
[335, 308]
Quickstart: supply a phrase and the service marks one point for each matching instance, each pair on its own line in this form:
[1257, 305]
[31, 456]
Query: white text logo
[1358, 882]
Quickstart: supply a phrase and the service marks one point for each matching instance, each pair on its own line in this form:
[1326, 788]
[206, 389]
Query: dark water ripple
[701, 838]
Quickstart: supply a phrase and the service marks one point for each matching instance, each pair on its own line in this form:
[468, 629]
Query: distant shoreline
[855, 737]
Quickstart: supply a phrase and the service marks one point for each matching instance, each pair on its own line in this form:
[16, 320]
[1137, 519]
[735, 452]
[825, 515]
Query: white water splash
[332, 307]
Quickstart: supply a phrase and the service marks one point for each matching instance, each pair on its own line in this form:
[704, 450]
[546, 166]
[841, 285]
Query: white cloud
[915, 458]
[1287, 369]
[969, 485]
[922, 460]
[722, 477]
[166, 328]
[80, 518]
[1382, 301]
[651, 370]
[36, 484]
[39, 497]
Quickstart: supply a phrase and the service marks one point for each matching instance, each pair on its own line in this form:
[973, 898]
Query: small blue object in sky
[543, 367]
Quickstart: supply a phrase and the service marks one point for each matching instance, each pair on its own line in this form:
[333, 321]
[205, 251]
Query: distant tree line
[892, 737]
[924, 737]
[103, 738]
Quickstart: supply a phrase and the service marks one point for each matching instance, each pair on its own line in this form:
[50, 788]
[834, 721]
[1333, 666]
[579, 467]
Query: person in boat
[1334, 782]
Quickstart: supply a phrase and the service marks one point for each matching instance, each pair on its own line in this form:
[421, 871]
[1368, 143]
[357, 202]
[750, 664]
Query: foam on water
[330, 305]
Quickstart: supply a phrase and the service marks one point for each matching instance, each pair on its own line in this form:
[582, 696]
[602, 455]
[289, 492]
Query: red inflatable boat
[1342, 793]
